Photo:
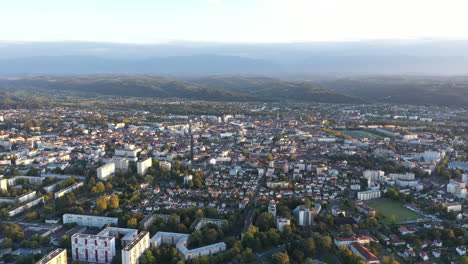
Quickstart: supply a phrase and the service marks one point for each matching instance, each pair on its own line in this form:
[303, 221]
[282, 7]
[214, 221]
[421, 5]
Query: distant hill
[444, 91]
[276, 89]
[126, 86]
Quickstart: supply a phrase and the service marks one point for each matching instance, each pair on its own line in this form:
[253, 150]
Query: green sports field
[387, 208]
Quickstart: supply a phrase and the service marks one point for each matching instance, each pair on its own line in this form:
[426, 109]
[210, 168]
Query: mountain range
[424, 57]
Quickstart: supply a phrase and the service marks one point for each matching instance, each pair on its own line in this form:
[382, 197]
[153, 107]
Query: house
[409, 253]
[424, 256]
[436, 253]
[437, 243]
[407, 230]
[461, 250]
[395, 241]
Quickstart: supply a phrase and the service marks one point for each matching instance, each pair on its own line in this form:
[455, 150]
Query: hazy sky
[155, 21]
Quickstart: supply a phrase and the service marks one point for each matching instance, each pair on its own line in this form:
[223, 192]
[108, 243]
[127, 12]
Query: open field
[387, 208]
[358, 134]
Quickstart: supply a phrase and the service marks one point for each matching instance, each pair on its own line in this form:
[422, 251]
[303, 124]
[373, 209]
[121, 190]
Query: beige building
[58, 256]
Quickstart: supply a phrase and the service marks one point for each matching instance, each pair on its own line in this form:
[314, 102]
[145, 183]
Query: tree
[132, 222]
[418, 244]
[102, 203]
[211, 235]
[292, 157]
[389, 260]
[326, 243]
[98, 188]
[264, 221]
[280, 258]
[298, 255]
[113, 201]
[310, 247]
[247, 255]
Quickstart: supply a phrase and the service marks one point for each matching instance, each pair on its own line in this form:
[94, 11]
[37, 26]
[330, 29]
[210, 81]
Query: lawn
[387, 208]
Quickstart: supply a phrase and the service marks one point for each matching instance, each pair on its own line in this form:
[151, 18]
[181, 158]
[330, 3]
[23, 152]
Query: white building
[433, 156]
[58, 256]
[272, 209]
[165, 164]
[93, 248]
[452, 207]
[305, 217]
[282, 223]
[105, 171]
[3, 184]
[181, 241]
[121, 163]
[26, 206]
[367, 195]
[457, 188]
[89, 220]
[26, 197]
[69, 189]
[132, 252]
[143, 166]
[374, 175]
[187, 179]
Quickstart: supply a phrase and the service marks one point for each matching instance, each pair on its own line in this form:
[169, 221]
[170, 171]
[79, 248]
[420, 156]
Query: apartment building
[304, 215]
[58, 256]
[93, 248]
[69, 189]
[132, 252]
[89, 220]
[368, 195]
[181, 241]
[105, 171]
[143, 166]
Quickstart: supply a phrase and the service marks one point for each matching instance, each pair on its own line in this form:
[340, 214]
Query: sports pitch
[387, 208]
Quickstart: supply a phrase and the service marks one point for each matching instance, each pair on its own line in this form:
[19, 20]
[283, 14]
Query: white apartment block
[121, 163]
[132, 252]
[105, 171]
[26, 197]
[433, 156]
[26, 206]
[373, 175]
[69, 189]
[89, 220]
[457, 188]
[143, 166]
[305, 217]
[367, 195]
[93, 248]
[58, 256]
[181, 240]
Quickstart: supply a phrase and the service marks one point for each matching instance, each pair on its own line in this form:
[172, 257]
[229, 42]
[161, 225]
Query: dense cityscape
[133, 180]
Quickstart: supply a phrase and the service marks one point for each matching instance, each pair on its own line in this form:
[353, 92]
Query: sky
[227, 21]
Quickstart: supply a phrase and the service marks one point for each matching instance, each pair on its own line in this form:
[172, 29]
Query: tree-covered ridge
[446, 91]
[232, 89]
